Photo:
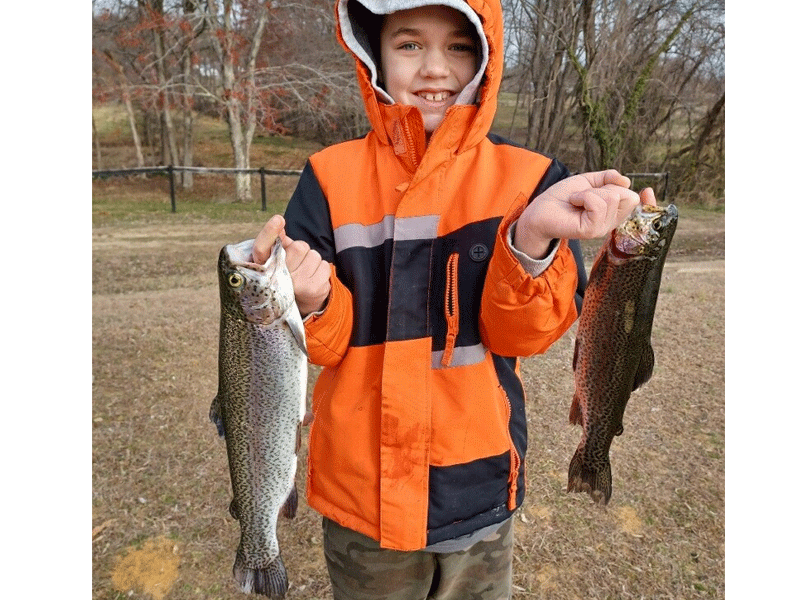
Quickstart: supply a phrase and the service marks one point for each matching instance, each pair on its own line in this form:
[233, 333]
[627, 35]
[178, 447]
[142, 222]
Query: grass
[133, 199]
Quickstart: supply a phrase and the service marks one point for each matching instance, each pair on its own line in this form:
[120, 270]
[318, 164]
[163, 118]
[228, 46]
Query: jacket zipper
[514, 461]
[410, 143]
[451, 309]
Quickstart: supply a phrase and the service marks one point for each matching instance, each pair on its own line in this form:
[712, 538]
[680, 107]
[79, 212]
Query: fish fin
[298, 441]
[583, 478]
[270, 581]
[215, 414]
[646, 364]
[575, 412]
[575, 354]
[295, 323]
[233, 508]
[289, 509]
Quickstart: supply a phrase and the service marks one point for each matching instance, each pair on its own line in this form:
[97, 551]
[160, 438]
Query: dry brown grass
[159, 472]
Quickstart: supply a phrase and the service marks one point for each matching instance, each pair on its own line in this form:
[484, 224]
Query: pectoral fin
[295, 323]
[215, 414]
[289, 509]
[646, 364]
[575, 412]
[575, 354]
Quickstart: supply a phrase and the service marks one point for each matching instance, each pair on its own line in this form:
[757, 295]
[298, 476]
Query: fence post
[171, 173]
[263, 190]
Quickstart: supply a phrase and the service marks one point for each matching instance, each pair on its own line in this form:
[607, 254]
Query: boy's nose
[435, 64]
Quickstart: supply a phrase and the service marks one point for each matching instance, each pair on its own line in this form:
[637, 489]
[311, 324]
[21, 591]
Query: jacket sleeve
[308, 218]
[522, 314]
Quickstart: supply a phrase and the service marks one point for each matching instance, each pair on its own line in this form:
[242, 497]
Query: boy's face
[428, 55]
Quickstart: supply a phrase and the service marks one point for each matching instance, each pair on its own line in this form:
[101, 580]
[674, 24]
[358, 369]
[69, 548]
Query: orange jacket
[419, 431]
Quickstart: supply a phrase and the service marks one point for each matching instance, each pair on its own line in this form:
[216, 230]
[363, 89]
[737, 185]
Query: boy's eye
[464, 48]
[408, 46]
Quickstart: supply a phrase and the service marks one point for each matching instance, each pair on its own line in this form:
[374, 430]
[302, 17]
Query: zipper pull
[451, 309]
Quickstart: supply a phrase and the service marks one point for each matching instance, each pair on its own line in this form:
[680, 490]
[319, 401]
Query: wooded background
[638, 86]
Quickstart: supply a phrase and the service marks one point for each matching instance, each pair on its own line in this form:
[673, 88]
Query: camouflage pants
[361, 570]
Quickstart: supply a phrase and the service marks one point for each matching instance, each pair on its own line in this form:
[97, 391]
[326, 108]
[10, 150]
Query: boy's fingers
[266, 239]
[603, 208]
[648, 196]
[286, 241]
[598, 179]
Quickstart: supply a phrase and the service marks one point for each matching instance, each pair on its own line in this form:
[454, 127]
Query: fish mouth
[642, 234]
[240, 256]
[625, 248]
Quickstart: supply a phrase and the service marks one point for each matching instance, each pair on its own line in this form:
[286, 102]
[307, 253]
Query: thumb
[648, 196]
[266, 239]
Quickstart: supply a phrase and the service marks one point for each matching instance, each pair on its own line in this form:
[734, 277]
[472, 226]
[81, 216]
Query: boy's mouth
[434, 96]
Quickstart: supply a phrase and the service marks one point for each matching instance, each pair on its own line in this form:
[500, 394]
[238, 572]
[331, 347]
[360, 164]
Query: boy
[426, 257]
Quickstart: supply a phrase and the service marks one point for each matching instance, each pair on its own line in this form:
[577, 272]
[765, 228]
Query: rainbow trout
[259, 406]
[613, 355]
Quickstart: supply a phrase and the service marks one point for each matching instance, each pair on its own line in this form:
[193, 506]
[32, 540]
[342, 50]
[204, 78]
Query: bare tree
[636, 77]
[112, 73]
[153, 12]
[620, 34]
[236, 32]
[539, 35]
[140, 42]
[128, 104]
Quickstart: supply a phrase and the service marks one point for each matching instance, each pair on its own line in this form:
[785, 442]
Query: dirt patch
[160, 477]
[151, 569]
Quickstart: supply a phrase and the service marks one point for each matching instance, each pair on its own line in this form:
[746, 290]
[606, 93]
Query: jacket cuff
[328, 330]
[533, 266]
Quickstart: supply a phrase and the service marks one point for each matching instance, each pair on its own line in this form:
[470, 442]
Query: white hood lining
[356, 39]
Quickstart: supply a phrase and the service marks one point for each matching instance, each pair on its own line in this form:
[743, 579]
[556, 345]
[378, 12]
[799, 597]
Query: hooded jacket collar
[401, 126]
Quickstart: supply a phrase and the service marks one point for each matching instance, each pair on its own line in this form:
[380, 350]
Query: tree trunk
[187, 177]
[126, 101]
[137, 144]
[542, 30]
[239, 97]
[169, 148]
[99, 162]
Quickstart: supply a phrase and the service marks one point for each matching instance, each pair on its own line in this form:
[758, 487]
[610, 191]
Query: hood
[358, 30]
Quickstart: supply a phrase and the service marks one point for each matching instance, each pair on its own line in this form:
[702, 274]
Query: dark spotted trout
[613, 355]
[259, 406]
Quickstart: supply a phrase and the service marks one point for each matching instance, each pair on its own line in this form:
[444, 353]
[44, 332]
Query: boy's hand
[310, 274]
[581, 207]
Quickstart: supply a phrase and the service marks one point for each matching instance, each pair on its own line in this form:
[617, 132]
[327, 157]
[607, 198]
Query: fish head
[253, 292]
[646, 233]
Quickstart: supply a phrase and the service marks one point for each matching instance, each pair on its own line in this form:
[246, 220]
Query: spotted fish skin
[259, 406]
[613, 355]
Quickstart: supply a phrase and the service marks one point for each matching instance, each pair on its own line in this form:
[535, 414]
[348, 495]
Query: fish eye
[235, 280]
[658, 224]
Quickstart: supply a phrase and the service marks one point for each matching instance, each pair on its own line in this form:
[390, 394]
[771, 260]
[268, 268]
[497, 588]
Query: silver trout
[613, 355]
[259, 407]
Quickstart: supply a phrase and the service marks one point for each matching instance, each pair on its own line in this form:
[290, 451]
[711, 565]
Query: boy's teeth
[437, 97]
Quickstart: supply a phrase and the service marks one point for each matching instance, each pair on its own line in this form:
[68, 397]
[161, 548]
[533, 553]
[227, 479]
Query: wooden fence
[171, 170]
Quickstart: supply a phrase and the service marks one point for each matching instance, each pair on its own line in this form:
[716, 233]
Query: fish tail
[595, 481]
[270, 581]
